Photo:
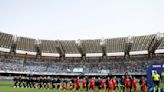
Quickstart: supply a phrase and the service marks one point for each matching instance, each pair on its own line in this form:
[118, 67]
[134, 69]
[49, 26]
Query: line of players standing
[104, 84]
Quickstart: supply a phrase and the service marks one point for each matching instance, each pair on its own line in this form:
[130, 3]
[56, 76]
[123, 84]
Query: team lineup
[126, 83]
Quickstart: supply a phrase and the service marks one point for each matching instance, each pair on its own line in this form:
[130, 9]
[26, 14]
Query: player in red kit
[77, 83]
[84, 84]
[127, 83]
[114, 83]
[110, 85]
[71, 85]
[143, 84]
[64, 86]
[103, 83]
[92, 84]
[134, 84]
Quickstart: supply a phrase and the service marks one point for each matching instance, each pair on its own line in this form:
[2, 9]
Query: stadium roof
[104, 27]
[95, 47]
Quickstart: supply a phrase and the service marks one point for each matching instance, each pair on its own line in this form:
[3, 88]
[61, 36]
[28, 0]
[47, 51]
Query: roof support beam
[128, 46]
[60, 50]
[80, 48]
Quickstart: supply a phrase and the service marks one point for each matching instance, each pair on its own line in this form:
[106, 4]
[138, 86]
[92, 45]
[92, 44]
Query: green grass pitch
[8, 87]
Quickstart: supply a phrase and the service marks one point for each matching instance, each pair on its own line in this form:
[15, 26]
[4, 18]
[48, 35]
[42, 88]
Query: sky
[81, 19]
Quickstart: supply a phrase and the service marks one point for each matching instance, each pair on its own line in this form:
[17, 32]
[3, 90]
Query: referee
[162, 77]
[156, 79]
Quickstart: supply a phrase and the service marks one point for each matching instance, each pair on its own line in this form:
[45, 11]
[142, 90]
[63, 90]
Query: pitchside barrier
[159, 68]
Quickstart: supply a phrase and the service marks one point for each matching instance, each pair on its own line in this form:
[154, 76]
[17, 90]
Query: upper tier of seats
[111, 45]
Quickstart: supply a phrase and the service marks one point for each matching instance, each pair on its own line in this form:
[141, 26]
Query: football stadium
[81, 46]
[35, 65]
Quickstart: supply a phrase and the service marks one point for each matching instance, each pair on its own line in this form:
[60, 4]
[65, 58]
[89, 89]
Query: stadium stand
[141, 42]
[137, 67]
[91, 46]
[69, 46]
[115, 45]
[26, 44]
[6, 40]
[161, 46]
[114, 64]
[49, 46]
